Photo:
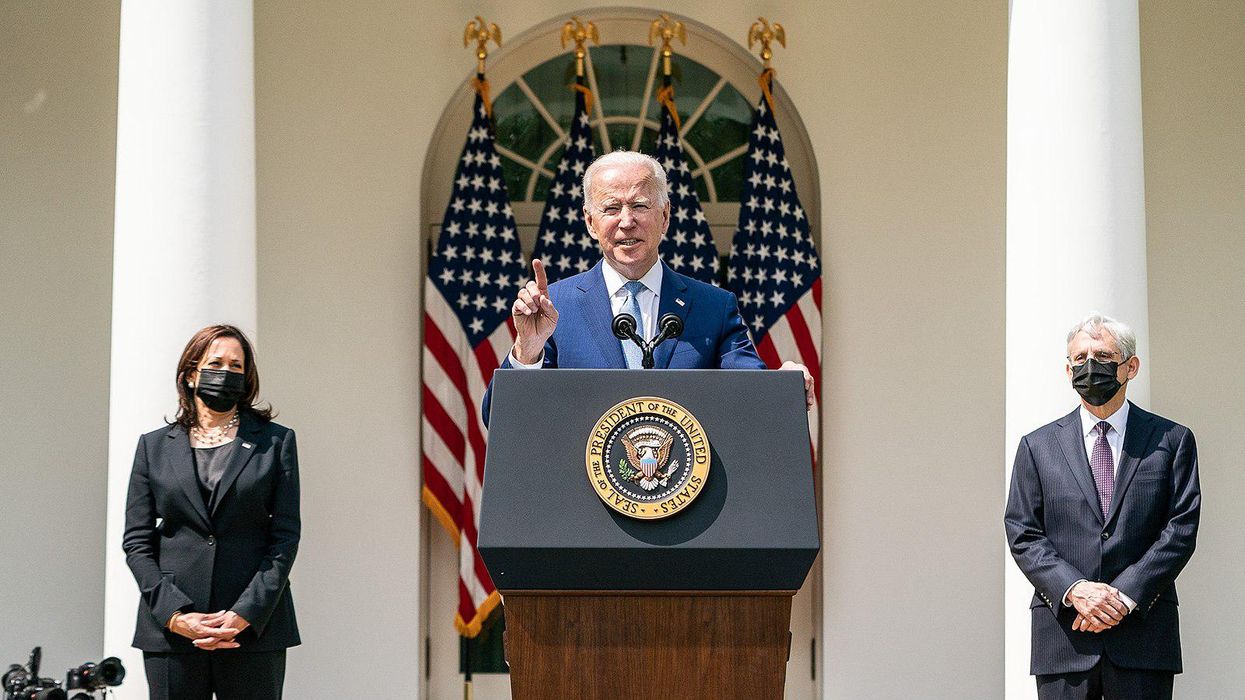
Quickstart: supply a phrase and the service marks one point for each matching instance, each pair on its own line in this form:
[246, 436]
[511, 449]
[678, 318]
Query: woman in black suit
[211, 531]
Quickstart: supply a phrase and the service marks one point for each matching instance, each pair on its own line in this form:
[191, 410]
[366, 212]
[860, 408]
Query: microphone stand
[624, 327]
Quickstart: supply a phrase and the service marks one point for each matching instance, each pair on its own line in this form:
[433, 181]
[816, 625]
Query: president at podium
[570, 323]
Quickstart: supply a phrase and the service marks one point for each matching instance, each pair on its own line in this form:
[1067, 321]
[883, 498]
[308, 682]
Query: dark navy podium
[603, 605]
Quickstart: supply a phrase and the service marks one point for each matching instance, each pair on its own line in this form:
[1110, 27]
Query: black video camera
[24, 683]
[91, 676]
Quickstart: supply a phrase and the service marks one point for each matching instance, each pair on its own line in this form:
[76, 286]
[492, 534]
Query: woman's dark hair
[189, 362]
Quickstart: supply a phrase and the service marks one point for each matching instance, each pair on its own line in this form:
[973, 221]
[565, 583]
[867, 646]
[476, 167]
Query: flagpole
[763, 32]
[577, 31]
[482, 33]
[562, 242]
[667, 30]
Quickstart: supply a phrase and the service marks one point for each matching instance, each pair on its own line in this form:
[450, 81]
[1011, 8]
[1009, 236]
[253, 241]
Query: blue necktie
[631, 351]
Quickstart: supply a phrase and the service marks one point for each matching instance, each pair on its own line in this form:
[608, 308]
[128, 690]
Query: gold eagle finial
[481, 32]
[666, 29]
[764, 32]
[575, 30]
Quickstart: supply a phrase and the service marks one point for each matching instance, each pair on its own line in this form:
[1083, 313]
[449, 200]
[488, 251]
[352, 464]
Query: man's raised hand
[534, 317]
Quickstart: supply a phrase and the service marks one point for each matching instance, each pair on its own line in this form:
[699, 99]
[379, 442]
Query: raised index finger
[542, 283]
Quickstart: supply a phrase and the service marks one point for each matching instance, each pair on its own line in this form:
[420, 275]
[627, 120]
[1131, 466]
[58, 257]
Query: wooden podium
[603, 606]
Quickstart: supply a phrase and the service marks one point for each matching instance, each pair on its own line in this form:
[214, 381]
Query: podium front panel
[753, 526]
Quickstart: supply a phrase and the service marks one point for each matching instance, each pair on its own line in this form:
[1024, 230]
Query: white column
[1075, 221]
[184, 251]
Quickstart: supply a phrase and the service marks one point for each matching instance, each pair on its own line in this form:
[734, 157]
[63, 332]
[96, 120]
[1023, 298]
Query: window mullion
[539, 104]
[702, 107]
[648, 96]
[597, 101]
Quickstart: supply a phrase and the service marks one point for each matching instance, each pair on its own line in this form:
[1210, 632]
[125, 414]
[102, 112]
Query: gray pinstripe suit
[1058, 536]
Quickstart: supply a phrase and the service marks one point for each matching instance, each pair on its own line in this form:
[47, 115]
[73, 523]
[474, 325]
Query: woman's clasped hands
[209, 631]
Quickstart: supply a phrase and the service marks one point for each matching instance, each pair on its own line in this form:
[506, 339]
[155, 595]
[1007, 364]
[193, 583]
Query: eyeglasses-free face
[624, 218]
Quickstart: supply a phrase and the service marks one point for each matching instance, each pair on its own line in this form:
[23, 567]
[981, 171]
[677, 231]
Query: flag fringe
[483, 610]
[441, 514]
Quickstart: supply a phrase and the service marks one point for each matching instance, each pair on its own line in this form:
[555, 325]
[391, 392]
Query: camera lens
[110, 671]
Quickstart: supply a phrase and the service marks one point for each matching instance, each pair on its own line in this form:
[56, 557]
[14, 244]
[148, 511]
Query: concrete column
[1076, 239]
[184, 252]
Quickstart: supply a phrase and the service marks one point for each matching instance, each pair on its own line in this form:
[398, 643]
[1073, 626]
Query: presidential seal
[648, 457]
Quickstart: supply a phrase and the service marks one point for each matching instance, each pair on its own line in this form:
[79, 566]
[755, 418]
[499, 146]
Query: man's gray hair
[1095, 324]
[655, 180]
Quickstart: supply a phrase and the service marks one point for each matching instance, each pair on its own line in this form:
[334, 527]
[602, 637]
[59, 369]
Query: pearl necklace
[211, 437]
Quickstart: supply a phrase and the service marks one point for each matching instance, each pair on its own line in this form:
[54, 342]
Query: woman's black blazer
[234, 553]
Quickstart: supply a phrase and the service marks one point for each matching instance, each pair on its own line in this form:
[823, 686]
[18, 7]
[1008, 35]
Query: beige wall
[58, 100]
[1193, 91]
[342, 115]
[907, 112]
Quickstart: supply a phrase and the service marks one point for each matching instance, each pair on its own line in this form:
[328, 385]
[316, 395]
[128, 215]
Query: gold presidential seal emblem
[647, 457]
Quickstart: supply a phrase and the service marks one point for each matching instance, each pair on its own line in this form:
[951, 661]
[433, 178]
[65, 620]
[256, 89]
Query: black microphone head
[671, 325]
[624, 326]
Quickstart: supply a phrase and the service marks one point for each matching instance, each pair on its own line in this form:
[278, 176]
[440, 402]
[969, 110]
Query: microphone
[624, 328]
[671, 326]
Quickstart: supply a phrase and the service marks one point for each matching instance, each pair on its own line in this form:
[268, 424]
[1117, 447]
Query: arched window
[533, 116]
[715, 80]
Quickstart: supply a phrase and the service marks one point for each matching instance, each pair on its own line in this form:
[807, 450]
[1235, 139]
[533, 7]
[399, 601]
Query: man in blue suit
[568, 324]
[1102, 516]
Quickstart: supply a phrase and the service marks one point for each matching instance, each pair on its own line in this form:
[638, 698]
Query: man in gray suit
[1101, 517]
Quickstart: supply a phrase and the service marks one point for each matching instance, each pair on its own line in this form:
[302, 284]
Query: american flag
[688, 246]
[564, 243]
[774, 267]
[467, 332]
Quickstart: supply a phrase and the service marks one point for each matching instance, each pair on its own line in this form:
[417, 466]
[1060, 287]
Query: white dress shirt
[1115, 438]
[1115, 434]
[649, 300]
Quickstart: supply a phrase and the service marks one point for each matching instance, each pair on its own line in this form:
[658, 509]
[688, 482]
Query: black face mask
[220, 389]
[1095, 381]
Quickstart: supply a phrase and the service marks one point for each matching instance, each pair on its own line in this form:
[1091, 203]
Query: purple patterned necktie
[1103, 467]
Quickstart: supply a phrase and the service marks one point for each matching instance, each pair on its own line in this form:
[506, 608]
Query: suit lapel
[1072, 443]
[594, 304]
[182, 463]
[674, 299]
[1137, 436]
[242, 454]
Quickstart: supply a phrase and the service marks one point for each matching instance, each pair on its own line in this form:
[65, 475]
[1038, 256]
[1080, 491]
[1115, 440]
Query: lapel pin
[679, 302]
[246, 445]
